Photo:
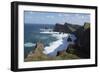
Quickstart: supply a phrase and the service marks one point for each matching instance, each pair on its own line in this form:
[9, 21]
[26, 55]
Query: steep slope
[66, 27]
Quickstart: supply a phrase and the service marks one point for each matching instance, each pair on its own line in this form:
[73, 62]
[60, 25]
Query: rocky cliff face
[82, 46]
[66, 28]
[59, 28]
[83, 41]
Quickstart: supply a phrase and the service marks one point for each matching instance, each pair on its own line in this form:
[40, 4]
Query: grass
[86, 25]
[42, 57]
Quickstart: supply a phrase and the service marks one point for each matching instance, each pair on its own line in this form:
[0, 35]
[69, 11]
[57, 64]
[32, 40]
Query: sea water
[53, 41]
[34, 33]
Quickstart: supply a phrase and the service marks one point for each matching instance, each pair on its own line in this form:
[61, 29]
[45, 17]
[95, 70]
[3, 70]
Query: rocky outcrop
[59, 28]
[83, 41]
[36, 54]
[82, 46]
[66, 27]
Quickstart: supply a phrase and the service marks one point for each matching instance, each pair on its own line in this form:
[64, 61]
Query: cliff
[83, 41]
[66, 27]
[82, 44]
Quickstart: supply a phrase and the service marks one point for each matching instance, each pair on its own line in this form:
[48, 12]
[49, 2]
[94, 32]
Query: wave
[46, 30]
[55, 34]
[49, 32]
[62, 40]
[29, 44]
[59, 36]
[59, 45]
[52, 47]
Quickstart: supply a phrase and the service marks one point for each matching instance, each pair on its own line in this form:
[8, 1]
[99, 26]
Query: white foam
[60, 36]
[59, 45]
[52, 47]
[48, 32]
[43, 30]
[29, 44]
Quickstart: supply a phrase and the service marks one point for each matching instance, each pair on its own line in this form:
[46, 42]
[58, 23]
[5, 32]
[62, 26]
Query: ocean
[33, 33]
[53, 41]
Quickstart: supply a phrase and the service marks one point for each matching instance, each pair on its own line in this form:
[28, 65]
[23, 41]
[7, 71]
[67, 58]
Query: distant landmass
[66, 27]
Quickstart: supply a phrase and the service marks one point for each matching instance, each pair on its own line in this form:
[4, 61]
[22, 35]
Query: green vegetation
[42, 57]
[67, 56]
[86, 25]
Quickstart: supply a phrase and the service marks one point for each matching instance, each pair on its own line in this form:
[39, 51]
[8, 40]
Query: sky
[31, 17]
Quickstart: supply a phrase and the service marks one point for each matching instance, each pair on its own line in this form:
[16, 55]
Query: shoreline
[50, 52]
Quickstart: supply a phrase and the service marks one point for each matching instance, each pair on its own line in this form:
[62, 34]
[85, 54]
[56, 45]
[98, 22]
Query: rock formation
[83, 41]
[37, 53]
[66, 28]
[82, 46]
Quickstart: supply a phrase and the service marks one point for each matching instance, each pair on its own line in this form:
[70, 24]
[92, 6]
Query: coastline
[60, 46]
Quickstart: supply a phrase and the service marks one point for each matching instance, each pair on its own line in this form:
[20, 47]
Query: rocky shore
[38, 55]
[80, 50]
[82, 44]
